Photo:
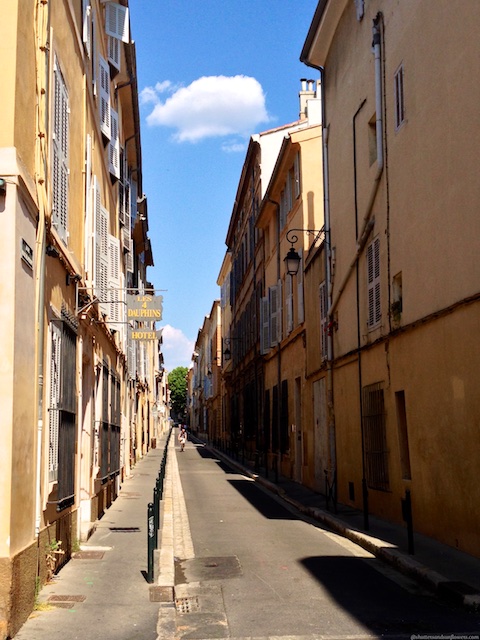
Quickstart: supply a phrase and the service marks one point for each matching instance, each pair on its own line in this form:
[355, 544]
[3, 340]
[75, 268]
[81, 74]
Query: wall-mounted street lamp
[227, 354]
[292, 259]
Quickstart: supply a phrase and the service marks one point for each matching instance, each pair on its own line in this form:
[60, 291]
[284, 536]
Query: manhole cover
[187, 605]
[161, 594]
[88, 555]
[210, 568]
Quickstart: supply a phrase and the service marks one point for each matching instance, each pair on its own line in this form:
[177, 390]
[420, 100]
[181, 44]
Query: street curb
[457, 592]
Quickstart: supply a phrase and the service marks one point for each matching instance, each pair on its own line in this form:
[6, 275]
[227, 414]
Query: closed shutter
[55, 398]
[373, 283]
[289, 302]
[114, 279]
[114, 145]
[101, 252]
[264, 325]
[60, 154]
[88, 208]
[105, 125]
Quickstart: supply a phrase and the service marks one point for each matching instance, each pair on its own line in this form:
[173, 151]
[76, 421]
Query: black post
[150, 540]
[407, 516]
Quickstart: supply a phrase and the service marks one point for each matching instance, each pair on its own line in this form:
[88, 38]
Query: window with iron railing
[375, 437]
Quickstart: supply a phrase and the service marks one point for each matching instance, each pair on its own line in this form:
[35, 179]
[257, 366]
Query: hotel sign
[144, 307]
[148, 309]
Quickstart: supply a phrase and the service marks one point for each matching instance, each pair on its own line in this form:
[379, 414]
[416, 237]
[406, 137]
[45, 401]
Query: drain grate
[187, 605]
[66, 600]
[88, 555]
[125, 529]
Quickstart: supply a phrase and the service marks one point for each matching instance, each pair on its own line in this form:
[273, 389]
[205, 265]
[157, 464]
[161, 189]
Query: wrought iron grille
[375, 438]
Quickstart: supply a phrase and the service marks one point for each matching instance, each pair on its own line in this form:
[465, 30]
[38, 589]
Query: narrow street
[260, 571]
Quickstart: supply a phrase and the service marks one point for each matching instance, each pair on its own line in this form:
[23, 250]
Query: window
[61, 113]
[87, 26]
[399, 97]
[373, 283]
[110, 424]
[375, 439]
[62, 412]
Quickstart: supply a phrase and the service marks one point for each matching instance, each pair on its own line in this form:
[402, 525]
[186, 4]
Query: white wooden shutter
[88, 208]
[61, 114]
[300, 299]
[322, 292]
[275, 301]
[113, 46]
[55, 398]
[373, 283]
[101, 251]
[289, 302]
[87, 26]
[114, 145]
[104, 97]
[116, 21]
[114, 278]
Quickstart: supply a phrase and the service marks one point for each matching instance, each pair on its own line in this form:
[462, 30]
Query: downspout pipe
[368, 222]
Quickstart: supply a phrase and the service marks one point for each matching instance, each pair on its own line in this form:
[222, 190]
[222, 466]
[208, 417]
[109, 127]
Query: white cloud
[151, 94]
[177, 349]
[209, 107]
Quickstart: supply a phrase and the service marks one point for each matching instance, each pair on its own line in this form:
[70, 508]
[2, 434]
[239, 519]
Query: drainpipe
[42, 34]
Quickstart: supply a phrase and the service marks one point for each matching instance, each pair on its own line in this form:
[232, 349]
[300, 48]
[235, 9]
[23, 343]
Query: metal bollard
[150, 541]
[407, 516]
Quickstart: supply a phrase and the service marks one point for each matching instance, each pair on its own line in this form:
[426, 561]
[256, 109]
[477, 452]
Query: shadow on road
[382, 605]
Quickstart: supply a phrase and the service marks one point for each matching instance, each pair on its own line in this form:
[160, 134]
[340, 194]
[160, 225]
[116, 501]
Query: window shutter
[273, 304]
[296, 175]
[289, 302]
[264, 325]
[55, 397]
[60, 154]
[113, 46]
[88, 206]
[114, 145]
[101, 251]
[322, 291]
[373, 283]
[87, 26]
[116, 21]
[104, 97]
[114, 278]
[300, 300]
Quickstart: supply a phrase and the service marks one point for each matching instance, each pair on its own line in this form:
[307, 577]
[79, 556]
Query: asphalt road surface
[261, 570]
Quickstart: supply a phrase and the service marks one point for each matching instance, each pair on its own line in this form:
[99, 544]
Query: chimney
[307, 92]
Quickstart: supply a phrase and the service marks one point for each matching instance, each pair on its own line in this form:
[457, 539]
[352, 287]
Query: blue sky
[210, 74]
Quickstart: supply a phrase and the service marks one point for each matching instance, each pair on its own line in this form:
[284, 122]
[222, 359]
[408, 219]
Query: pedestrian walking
[182, 438]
